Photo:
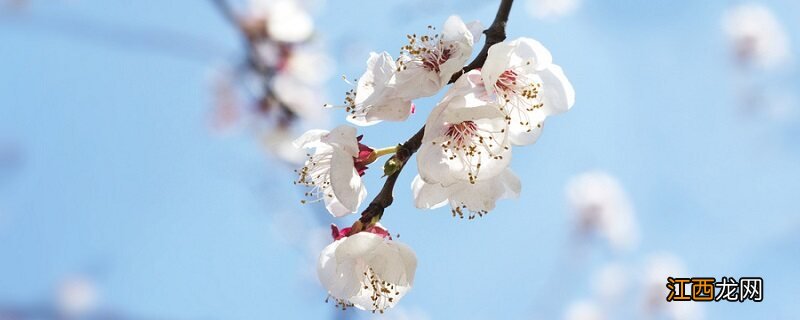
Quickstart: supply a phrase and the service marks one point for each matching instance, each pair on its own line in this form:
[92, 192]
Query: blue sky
[122, 179]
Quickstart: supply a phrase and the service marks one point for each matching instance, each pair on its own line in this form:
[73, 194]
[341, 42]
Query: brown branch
[496, 33]
[384, 198]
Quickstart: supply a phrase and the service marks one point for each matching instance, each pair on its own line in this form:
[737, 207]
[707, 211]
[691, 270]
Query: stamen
[518, 95]
[428, 52]
[468, 142]
[316, 175]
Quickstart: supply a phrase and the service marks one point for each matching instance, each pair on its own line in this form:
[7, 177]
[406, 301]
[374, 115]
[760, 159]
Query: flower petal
[558, 95]
[428, 195]
[310, 138]
[346, 184]
[343, 137]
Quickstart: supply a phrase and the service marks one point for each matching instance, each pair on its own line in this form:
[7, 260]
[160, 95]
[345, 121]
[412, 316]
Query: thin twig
[496, 33]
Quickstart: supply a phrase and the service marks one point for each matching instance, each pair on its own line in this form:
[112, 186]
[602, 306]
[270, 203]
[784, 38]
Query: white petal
[378, 76]
[485, 112]
[481, 196]
[476, 29]
[418, 82]
[409, 260]
[497, 62]
[310, 138]
[431, 164]
[391, 110]
[529, 50]
[511, 184]
[343, 137]
[521, 135]
[428, 195]
[557, 93]
[358, 245]
[346, 185]
[335, 276]
[456, 30]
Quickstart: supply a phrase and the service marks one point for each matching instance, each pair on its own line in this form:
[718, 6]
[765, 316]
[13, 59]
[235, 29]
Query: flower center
[518, 95]
[461, 133]
[382, 293]
[429, 52]
[431, 60]
[471, 145]
[506, 81]
[316, 175]
[363, 159]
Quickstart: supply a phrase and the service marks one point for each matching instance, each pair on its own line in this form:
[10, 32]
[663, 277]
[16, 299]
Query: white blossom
[76, 297]
[610, 282]
[475, 198]
[367, 270]
[331, 171]
[756, 35]
[527, 85]
[465, 136]
[552, 9]
[602, 206]
[427, 62]
[657, 268]
[375, 97]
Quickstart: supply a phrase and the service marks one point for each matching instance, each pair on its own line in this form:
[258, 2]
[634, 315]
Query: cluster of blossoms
[602, 207]
[282, 75]
[464, 150]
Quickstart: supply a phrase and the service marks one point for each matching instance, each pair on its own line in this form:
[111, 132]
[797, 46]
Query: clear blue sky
[122, 179]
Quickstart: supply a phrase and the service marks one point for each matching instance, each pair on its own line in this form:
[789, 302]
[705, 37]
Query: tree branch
[496, 33]
[384, 198]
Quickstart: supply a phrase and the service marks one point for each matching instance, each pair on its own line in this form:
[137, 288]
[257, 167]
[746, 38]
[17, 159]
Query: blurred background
[146, 173]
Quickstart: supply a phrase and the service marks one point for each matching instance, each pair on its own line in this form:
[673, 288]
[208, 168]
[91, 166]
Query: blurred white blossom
[610, 283]
[657, 268]
[286, 20]
[756, 35]
[76, 297]
[602, 206]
